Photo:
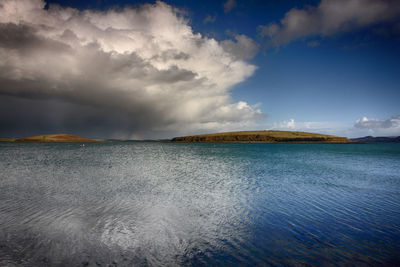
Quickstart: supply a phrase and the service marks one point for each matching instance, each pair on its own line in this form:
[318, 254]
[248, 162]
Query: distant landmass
[381, 139]
[227, 137]
[262, 137]
[51, 138]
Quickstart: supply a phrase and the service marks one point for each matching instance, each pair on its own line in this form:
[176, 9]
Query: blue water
[138, 203]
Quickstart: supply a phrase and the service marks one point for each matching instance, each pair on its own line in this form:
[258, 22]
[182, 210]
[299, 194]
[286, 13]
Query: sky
[159, 69]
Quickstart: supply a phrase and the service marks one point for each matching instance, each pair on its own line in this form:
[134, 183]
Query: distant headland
[49, 138]
[263, 137]
[379, 139]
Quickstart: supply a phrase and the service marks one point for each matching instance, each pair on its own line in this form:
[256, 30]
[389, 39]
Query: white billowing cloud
[362, 127]
[285, 125]
[290, 124]
[145, 65]
[333, 128]
[330, 17]
[229, 5]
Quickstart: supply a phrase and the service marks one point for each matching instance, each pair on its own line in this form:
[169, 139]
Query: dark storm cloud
[122, 72]
[13, 36]
[25, 117]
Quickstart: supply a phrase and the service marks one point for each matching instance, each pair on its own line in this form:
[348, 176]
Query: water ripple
[124, 204]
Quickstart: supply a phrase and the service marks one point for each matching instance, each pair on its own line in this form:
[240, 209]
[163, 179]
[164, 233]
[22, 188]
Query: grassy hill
[7, 139]
[52, 138]
[262, 137]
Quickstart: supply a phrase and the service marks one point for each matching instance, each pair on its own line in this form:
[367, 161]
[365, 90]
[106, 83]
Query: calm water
[124, 204]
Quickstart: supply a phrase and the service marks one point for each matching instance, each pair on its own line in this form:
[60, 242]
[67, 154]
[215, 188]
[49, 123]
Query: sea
[175, 204]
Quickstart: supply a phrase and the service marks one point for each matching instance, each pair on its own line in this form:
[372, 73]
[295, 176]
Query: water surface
[139, 203]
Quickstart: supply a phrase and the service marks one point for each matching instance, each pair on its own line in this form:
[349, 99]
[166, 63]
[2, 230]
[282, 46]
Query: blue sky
[321, 71]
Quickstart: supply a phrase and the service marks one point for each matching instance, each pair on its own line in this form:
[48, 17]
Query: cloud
[133, 70]
[362, 127]
[229, 5]
[290, 124]
[313, 44]
[328, 18]
[375, 127]
[324, 127]
[388, 31]
[366, 123]
[210, 18]
[243, 48]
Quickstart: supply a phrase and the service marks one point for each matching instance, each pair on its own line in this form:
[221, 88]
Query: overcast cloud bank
[133, 71]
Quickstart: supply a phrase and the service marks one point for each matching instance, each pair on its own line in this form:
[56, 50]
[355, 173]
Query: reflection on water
[199, 204]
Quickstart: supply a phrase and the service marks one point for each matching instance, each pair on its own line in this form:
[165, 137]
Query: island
[64, 138]
[263, 137]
